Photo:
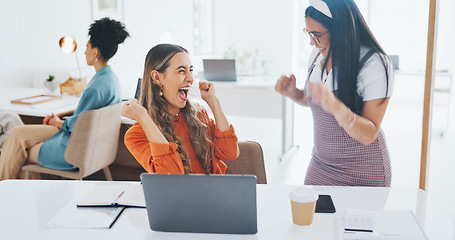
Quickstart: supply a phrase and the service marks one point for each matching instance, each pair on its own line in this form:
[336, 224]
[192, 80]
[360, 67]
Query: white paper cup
[303, 203]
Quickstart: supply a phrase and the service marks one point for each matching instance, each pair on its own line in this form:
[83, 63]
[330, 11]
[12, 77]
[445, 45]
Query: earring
[161, 90]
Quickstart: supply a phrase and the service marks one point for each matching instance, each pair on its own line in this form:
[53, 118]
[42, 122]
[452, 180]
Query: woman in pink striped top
[349, 84]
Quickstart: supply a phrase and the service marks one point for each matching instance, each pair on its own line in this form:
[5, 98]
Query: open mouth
[183, 93]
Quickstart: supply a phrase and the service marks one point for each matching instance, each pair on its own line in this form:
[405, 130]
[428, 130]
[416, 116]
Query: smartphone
[325, 204]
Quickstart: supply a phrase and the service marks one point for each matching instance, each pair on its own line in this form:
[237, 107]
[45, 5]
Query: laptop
[201, 203]
[138, 89]
[219, 69]
[395, 61]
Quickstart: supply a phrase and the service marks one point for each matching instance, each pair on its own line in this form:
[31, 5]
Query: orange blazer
[164, 158]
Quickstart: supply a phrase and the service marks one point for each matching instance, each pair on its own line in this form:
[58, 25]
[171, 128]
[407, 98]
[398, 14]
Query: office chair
[250, 161]
[92, 145]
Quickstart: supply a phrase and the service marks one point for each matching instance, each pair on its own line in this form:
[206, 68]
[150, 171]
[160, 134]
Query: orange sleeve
[225, 142]
[154, 157]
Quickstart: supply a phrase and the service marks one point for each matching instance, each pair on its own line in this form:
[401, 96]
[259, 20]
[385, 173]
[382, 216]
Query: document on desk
[52, 105]
[117, 195]
[390, 225]
[73, 217]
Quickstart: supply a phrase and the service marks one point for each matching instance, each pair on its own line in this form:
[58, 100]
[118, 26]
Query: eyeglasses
[314, 35]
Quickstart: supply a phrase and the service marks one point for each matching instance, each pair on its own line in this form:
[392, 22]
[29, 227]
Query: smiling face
[321, 34]
[176, 81]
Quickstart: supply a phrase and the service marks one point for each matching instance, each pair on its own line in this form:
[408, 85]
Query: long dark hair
[158, 59]
[348, 32]
[106, 34]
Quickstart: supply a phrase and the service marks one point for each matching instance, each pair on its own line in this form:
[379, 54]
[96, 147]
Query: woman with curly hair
[172, 134]
[45, 144]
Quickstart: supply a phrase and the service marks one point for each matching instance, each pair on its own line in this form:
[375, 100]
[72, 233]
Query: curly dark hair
[106, 34]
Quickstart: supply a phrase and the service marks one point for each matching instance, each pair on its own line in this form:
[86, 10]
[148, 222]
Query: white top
[371, 82]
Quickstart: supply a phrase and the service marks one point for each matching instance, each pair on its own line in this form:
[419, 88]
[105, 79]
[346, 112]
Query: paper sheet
[37, 99]
[390, 225]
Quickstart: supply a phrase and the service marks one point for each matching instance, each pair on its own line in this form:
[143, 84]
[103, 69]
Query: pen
[354, 230]
[115, 201]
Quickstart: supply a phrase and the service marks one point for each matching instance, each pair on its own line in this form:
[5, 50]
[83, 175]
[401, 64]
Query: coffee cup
[303, 203]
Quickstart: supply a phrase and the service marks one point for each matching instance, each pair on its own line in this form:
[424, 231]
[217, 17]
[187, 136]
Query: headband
[321, 6]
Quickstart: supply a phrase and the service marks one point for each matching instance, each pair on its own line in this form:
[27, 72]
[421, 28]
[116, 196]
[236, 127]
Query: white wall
[401, 27]
[400, 33]
[31, 29]
[30, 33]
[256, 24]
[145, 21]
[446, 36]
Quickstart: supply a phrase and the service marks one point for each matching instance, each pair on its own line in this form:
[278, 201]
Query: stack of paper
[393, 225]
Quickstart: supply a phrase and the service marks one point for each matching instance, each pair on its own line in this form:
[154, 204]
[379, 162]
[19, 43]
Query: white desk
[27, 205]
[66, 103]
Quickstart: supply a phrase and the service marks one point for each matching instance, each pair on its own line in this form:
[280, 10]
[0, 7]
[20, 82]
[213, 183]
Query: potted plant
[50, 83]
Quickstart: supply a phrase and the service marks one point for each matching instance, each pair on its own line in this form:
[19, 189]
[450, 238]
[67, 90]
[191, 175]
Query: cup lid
[303, 194]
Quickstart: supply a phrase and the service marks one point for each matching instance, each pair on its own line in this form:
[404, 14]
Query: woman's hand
[322, 96]
[53, 120]
[46, 119]
[67, 113]
[208, 92]
[133, 110]
[286, 86]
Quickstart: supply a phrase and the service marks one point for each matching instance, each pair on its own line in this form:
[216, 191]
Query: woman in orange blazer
[172, 134]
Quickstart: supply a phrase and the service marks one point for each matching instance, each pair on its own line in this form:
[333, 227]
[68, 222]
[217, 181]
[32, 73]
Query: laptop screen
[219, 69]
[201, 203]
[138, 88]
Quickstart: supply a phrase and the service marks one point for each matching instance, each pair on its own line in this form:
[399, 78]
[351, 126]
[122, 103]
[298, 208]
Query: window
[203, 27]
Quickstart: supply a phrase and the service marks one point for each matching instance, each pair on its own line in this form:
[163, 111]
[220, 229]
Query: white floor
[402, 126]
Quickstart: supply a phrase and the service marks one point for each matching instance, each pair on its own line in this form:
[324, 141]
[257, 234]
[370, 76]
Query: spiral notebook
[114, 195]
